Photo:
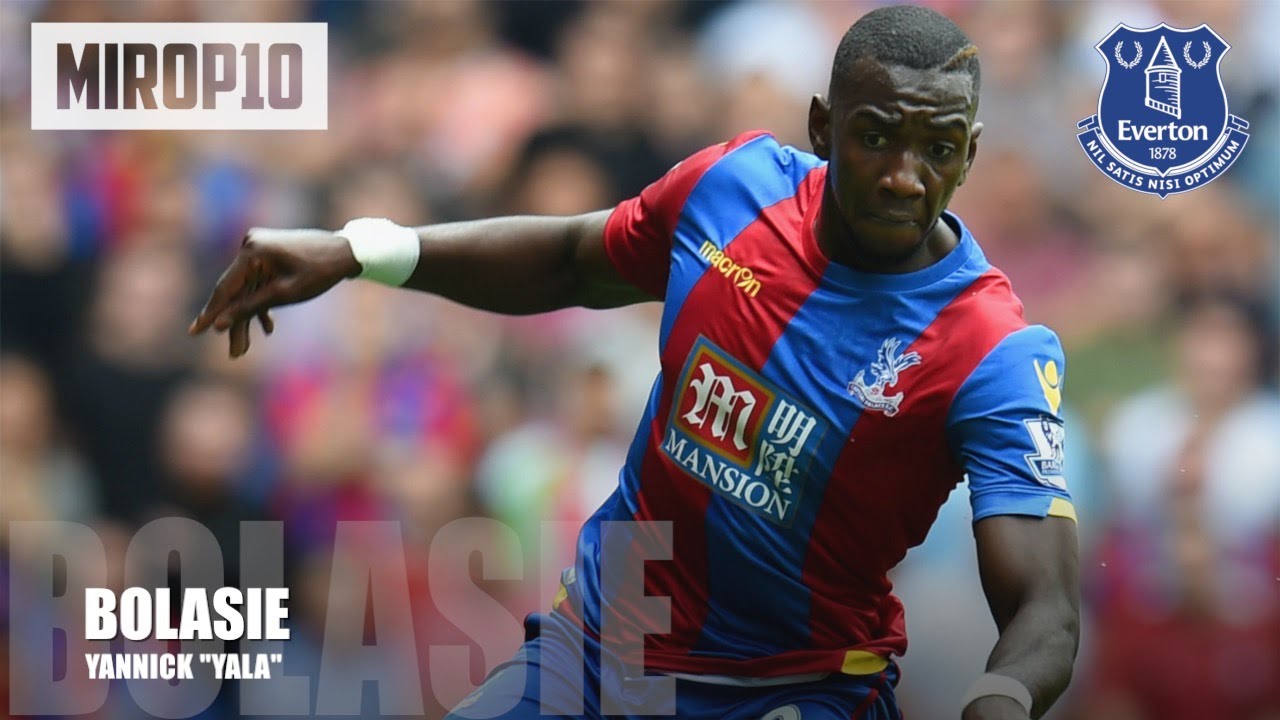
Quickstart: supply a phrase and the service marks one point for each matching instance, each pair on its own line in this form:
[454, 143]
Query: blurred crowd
[374, 404]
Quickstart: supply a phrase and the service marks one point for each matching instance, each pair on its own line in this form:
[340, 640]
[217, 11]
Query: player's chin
[890, 242]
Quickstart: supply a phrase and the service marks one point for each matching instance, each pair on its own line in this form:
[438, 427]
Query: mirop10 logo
[179, 76]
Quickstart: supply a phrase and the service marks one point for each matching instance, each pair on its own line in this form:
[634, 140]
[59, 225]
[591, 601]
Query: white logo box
[272, 47]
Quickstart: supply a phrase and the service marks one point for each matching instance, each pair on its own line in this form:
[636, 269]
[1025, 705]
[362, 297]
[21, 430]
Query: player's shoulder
[763, 137]
[996, 322]
[988, 309]
[768, 143]
[1030, 341]
[995, 327]
[751, 157]
[757, 142]
[1025, 365]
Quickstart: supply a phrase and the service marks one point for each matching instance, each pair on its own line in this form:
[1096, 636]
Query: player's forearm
[513, 265]
[1037, 648]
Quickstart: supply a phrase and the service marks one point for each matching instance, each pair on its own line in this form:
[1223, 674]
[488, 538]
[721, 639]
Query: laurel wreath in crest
[1136, 60]
[1186, 55]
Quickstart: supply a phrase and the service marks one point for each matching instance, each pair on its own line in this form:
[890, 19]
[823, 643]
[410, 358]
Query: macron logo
[744, 278]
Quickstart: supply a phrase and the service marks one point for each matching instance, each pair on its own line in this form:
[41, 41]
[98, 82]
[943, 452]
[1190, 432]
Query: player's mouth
[892, 219]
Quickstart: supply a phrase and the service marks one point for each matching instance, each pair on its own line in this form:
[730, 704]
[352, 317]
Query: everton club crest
[1162, 125]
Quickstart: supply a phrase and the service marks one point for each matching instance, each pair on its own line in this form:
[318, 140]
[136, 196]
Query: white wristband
[1002, 685]
[387, 252]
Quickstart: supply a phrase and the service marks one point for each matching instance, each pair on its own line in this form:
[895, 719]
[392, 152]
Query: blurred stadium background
[374, 404]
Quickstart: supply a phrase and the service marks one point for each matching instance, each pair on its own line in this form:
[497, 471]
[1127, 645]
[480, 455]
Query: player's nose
[901, 177]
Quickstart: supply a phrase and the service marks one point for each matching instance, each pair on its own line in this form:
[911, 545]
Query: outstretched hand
[273, 268]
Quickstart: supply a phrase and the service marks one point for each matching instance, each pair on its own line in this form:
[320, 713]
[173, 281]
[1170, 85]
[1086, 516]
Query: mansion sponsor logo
[742, 277]
[745, 439]
[1162, 124]
[179, 76]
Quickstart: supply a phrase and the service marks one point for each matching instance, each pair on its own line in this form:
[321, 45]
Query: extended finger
[268, 325]
[229, 285]
[258, 296]
[239, 338]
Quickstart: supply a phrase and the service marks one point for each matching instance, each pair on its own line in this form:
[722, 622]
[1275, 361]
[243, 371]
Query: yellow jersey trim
[1063, 508]
[861, 662]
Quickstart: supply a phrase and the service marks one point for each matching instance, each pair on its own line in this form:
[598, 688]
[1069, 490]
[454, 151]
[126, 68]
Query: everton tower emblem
[1162, 125]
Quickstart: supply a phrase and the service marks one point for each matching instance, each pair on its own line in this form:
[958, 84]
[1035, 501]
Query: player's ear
[973, 151]
[820, 127]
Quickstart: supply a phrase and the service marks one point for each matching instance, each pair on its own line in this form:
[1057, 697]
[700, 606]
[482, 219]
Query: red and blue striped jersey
[808, 421]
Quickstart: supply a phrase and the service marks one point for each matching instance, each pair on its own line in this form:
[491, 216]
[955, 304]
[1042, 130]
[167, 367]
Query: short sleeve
[1005, 426]
[639, 235]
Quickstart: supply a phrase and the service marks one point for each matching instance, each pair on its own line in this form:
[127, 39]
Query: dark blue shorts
[560, 672]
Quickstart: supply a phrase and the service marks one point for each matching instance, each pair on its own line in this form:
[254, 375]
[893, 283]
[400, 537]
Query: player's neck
[838, 243]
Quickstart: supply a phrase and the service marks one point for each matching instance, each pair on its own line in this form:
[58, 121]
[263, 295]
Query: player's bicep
[1007, 431]
[600, 283]
[1026, 560]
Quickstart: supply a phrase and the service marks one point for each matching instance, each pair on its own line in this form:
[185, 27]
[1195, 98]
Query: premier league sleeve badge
[1162, 125]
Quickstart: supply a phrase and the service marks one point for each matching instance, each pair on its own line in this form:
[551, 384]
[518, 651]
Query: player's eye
[942, 151]
[875, 141]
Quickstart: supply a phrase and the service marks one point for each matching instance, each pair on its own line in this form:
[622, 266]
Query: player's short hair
[909, 36]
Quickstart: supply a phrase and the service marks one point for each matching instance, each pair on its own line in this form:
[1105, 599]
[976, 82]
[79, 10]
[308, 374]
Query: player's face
[900, 142]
